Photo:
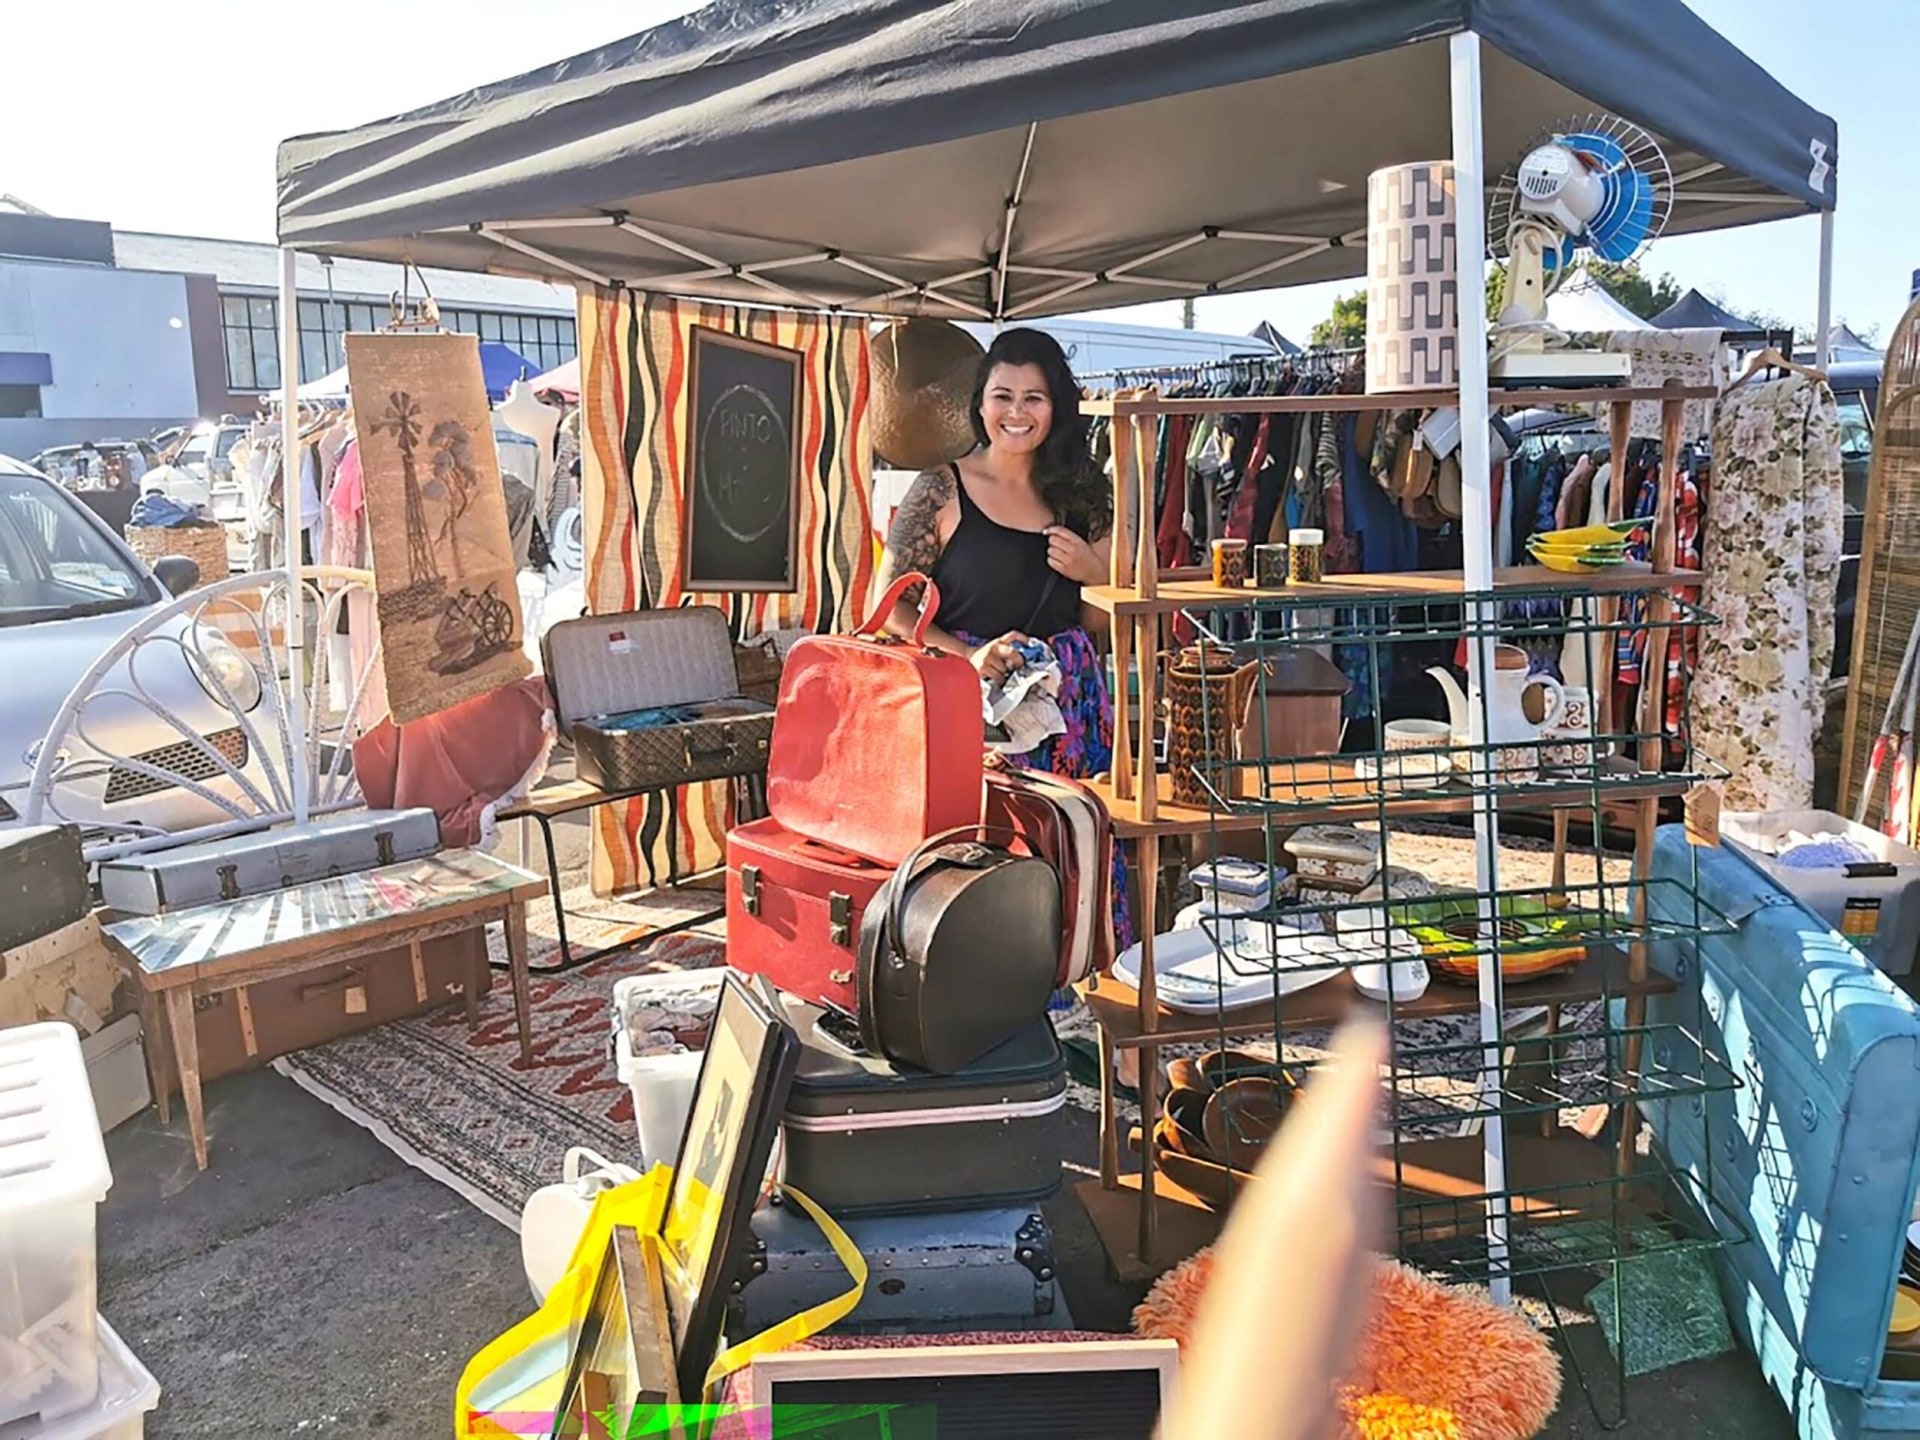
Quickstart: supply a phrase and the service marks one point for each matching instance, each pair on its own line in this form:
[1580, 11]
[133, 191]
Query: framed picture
[737, 1103]
[742, 464]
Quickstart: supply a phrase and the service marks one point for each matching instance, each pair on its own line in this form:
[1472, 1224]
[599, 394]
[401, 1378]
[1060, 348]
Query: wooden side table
[178, 957]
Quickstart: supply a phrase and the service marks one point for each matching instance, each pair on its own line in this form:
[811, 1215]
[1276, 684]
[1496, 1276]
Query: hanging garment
[1772, 557]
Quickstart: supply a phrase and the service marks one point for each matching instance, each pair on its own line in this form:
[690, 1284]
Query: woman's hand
[1073, 557]
[997, 659]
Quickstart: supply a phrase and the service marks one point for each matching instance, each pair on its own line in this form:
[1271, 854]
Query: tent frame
[1467, 111]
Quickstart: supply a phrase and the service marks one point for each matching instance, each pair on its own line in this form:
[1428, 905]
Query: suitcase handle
[712, 749]
[345, 981]
[929, 606]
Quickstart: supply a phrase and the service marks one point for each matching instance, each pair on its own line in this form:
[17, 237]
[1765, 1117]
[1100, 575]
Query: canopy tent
[500, 365]
[1583, 304]
[1694, 311]
[1266, 334]
[1021, 158]
[563, 380]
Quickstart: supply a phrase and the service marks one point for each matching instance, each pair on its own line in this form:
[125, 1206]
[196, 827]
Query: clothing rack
[1258, 366]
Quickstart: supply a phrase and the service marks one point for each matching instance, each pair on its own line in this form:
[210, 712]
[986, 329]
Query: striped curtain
[634, 352]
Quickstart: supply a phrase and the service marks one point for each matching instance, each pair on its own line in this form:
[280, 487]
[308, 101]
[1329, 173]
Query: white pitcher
[1515, 735]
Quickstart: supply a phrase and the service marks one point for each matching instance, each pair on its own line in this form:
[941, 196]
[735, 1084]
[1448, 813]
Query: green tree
[1630, 286]
[1346, 328]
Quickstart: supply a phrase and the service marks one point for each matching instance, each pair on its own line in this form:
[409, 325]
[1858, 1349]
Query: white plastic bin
[126, 1396]
[53, 1173]
[1880, 914]
[661, 1074]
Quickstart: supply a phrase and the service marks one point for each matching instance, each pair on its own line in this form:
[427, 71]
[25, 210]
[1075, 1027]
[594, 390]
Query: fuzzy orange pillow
[1434, 1362]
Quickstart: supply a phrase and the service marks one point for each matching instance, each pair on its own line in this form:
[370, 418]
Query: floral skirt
[1086, 749]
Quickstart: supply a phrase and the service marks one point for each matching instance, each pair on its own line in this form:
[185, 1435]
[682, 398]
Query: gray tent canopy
[1266, 333]
[1021, 158]
[1694, 311]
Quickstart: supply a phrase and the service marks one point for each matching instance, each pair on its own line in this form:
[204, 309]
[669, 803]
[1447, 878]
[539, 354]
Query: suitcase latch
[383, 846]
[229, 882]
[750, 888]
[840, 918]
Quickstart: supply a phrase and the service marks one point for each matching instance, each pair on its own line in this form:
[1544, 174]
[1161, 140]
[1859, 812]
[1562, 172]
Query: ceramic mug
[1418, 735]
[1567, 743]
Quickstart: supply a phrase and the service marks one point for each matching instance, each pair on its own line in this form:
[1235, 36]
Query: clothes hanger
[1772, 358]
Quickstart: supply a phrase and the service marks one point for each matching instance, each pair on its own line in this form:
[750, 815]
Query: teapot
[1208, 692]
[1513, 735]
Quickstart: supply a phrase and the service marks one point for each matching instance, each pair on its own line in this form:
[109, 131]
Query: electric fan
[1599, 184]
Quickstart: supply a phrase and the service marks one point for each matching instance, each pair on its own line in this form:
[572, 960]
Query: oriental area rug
[459, 1105]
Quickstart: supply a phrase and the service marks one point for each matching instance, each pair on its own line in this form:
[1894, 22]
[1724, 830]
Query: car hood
[42, 662]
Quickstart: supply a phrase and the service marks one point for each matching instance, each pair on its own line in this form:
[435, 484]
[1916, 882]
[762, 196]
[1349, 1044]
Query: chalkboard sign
[743, 464]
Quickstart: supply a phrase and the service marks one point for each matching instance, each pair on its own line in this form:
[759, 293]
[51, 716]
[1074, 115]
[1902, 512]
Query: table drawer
[331, 1000]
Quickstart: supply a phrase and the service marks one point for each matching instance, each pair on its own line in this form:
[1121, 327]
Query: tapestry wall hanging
[444, 578]
[636, 393]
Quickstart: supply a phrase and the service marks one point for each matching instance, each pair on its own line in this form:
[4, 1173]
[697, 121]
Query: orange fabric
[457, 762]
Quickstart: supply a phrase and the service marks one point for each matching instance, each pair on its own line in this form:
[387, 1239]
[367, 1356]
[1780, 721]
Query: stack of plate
[1591, 547]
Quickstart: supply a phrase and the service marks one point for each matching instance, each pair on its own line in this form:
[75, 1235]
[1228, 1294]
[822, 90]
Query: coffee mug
[1567, 743]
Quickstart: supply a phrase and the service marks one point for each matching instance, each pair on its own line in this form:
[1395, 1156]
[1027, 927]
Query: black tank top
[993, 579]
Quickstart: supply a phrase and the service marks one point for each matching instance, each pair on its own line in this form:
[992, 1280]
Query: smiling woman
[1009, 535]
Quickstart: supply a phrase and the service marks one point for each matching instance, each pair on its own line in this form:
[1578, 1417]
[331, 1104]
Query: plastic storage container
[1877, 907]
[659, 1063]
[127, 1394]
[53, 1173]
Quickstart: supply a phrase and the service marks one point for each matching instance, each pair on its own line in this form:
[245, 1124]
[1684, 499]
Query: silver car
[70, 588]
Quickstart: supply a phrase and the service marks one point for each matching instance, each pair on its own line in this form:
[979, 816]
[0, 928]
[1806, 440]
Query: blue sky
[172, 127]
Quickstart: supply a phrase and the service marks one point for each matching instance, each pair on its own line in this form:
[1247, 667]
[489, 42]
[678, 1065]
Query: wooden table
[179, 957]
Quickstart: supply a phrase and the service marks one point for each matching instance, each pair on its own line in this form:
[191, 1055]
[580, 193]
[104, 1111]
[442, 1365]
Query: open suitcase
[958, 1270]
[794, 908]
[651, 699]
[865, 1136]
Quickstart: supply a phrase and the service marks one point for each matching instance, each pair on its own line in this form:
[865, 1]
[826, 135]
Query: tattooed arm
[914, 542]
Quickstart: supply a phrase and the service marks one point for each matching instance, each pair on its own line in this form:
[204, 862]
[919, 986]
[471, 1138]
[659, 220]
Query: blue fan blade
[1625, 219]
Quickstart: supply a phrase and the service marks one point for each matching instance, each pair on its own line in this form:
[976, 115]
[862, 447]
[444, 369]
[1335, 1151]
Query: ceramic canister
[1568, 742]
[1413, 323]
[1230, 564]
[1270, 567]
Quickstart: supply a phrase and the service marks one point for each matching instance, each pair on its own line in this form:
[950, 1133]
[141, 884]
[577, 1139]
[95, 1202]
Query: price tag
[356, 1000]
[618, 642]
[1703, 815]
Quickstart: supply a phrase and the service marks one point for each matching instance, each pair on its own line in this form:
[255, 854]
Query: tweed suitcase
[1814, 1156]
[277, 859]
[864, 1136]
[652, 699]
[957, 1270]
[43, 882]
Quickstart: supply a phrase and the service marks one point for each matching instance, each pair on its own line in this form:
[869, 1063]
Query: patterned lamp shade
[923, 374]
[1413, 315]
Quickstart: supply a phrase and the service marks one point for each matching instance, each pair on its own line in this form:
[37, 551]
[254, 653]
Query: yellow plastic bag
[511, 1387]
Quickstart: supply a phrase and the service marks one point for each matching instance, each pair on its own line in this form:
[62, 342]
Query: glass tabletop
[410, 891]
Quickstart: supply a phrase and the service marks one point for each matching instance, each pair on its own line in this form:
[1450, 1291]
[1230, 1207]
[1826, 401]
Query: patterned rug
[458, 1104]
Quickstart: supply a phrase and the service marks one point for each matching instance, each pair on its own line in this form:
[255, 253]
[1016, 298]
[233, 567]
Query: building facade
[110, 335]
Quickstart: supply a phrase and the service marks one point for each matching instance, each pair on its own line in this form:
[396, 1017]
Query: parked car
[1856, 386]
[207, 451]
[70, 588]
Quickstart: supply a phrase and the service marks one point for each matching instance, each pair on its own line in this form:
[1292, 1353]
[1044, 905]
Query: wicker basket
[205, 545]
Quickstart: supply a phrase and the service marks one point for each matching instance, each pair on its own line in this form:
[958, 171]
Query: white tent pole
[290, 515]
[1823, 312]
[1476, 499]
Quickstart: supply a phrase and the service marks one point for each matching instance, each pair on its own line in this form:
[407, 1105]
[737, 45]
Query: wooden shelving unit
[1144, 1225]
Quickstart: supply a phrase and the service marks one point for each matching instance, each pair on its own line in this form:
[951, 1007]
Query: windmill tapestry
[442, 555]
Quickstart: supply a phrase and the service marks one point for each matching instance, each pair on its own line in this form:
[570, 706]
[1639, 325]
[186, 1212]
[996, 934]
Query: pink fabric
[458, 762]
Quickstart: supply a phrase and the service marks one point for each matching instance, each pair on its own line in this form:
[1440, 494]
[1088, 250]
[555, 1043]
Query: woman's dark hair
[1063, 470]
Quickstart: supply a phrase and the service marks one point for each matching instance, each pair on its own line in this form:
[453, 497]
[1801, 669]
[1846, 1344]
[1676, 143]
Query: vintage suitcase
[43, 882]
[1812, 1162]
[952, 1270]
[958, 953]
[864, 1136]
[1062, 822]
[879, 741]
[240, 1029]
[794, 908]
[651, 699]
[216, 870]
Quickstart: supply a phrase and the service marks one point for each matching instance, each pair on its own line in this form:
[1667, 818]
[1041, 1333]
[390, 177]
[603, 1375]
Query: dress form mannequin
[527, 415]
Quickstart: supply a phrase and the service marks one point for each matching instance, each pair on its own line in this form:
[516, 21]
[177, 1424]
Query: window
[1856, 426]
[57, 565]
[252, 332]
[19, 402]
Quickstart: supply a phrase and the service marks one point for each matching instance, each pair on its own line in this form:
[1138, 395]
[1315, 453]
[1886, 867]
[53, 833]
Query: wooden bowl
[1183, 1073]
[1184, 1121]
[1241, 1117]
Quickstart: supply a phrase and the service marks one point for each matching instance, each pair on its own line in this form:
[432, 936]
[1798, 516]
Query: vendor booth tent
[1694, 311]
[1582, 304]
[1019, 158]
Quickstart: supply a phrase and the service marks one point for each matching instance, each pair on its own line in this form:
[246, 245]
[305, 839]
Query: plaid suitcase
[651, 699]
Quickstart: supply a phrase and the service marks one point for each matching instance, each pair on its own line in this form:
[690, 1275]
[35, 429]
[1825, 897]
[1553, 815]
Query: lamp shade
[923, 376]
[1413, 312]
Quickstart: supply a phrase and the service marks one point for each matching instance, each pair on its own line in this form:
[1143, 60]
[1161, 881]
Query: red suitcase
[878, 742]
[793, 911]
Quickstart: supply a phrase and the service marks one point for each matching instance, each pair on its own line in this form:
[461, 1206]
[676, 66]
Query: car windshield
[54, 565]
